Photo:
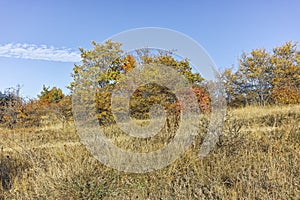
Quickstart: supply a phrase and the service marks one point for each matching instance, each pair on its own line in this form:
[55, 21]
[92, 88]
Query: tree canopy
[107, 64]
[264, 77]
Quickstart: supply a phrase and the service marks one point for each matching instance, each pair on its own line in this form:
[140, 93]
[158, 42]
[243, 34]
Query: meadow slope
[257, 157]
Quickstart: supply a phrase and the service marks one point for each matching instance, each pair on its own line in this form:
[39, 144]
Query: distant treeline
[15, 111]
[261, 78]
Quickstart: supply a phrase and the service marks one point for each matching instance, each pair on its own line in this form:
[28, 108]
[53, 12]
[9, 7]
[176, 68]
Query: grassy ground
[257, 157]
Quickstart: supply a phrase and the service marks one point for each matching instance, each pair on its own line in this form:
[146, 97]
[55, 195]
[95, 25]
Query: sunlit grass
[257, 157]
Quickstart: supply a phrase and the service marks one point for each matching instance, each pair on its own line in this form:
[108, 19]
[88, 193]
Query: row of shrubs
[16, 111]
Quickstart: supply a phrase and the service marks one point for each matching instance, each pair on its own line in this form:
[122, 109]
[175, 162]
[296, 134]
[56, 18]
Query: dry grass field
[257, 157]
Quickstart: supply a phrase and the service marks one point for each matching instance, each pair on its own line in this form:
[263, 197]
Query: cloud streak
[38, 52]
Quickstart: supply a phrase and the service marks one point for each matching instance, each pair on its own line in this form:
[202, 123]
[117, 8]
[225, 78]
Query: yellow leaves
[51, 96]
[76, 69]
[264, 77]
[286, 94]
[286, 78]
[128, 63]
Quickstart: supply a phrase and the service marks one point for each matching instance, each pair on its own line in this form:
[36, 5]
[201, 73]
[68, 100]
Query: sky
[39, 40]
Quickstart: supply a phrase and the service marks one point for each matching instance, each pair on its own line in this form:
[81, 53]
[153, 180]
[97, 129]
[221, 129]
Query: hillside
[257, 157]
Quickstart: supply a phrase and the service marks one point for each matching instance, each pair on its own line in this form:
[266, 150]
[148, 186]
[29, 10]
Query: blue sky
[39, 40]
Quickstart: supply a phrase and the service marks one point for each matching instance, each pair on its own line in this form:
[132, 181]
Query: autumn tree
[233, 87]
[48, 96]
[16, 111]
[106, 65]
[10, 106]
[99, 70]
[265, 78]
[63, 110]
[153, 93]
[30, 114]
[286, 74]
[255, 75]
[54, 102]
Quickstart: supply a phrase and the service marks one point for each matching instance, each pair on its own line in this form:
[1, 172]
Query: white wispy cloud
[38, 52]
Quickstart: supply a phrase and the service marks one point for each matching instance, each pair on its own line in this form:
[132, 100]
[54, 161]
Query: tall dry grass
[257, 157]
